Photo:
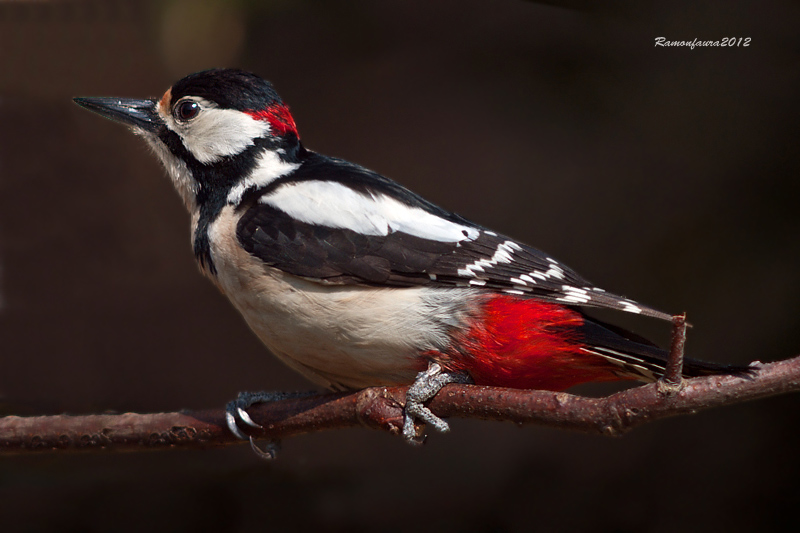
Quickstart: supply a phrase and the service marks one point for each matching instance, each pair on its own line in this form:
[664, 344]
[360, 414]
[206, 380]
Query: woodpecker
[355, 281]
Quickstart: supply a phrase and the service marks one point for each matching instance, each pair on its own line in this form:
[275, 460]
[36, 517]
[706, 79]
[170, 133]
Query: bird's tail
[637, 358]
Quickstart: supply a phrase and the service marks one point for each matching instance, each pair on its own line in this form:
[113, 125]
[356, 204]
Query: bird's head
[217, 132]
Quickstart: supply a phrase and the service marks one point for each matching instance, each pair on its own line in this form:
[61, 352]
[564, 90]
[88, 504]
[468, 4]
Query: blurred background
[669, 175]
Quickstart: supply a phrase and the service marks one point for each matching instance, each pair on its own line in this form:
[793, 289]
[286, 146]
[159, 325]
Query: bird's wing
[383, 241]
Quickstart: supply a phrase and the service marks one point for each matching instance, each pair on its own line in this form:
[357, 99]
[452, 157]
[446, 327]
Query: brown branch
[673, 373]
[381, 408]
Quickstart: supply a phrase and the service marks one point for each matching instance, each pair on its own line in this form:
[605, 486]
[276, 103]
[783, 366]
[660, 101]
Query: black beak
[137, 113]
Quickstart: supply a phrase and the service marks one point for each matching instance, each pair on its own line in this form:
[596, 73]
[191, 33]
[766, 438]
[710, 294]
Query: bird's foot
[427, 385]
[236, 411]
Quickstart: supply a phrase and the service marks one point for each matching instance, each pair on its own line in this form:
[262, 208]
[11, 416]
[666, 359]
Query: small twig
[382, 408]
[673, 374]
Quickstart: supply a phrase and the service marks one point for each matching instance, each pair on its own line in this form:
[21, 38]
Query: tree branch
[381, 408]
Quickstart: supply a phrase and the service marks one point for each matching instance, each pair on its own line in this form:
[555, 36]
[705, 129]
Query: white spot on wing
[630, 307]
[555, 271]
[501, 255]
[571, 298]
[576, 290]
[574, 295]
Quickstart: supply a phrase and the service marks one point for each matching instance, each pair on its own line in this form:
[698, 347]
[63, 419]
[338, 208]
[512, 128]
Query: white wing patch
[334, 205]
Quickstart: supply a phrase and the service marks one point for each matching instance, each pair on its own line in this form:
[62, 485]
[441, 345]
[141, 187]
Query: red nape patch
[279, 119]
[526, 344]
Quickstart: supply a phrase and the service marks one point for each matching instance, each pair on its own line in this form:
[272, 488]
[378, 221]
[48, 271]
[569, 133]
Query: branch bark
[381, 408]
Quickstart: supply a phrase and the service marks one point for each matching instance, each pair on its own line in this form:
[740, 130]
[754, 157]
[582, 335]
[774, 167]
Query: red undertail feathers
[531, 344]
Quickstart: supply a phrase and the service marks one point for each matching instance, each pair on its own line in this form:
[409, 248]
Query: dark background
[669, 175]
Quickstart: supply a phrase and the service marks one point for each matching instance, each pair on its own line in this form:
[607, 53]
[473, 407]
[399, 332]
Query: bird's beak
[132, 112]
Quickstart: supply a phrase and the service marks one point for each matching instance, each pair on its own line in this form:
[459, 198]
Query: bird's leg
[237, 410]
[427, 385]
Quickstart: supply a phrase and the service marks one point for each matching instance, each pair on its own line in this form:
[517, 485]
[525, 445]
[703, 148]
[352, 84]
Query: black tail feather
[640, 359]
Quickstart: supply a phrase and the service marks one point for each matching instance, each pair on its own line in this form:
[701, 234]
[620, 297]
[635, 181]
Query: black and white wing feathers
[373, 231]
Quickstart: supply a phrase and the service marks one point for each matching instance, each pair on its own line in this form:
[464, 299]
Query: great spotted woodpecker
[355, 281]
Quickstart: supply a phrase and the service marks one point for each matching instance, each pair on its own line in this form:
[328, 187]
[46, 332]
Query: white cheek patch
[333, 205]
[216, 133]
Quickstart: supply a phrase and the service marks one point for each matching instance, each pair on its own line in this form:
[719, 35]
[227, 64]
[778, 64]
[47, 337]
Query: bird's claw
[427, 385]
[236, 411]
[268, 452]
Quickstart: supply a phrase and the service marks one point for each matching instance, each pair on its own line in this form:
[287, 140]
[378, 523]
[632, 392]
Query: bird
[353, 280]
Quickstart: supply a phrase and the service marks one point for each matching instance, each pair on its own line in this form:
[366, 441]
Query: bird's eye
[186, 110]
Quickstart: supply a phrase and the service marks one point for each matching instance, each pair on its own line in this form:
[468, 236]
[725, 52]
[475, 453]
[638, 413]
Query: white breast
[339, 336]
